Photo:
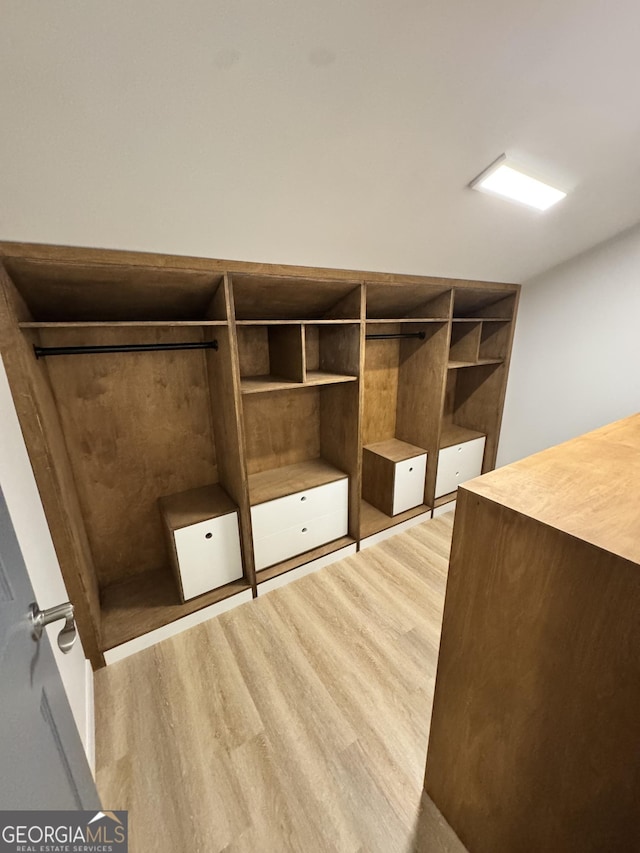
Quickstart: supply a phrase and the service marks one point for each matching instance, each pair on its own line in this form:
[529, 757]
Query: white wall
[23, 501]
[576, 357]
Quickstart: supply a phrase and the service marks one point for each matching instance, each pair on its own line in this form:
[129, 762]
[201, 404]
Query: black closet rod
[41, 352]
[420, 335]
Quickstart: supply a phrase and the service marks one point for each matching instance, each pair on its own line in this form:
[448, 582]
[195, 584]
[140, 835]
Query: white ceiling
[337, 133]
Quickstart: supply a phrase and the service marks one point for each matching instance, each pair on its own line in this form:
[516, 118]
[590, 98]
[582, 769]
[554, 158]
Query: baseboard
[131, 647]
[307, 569]
[440, 510]
[393, 531]
[90, 718]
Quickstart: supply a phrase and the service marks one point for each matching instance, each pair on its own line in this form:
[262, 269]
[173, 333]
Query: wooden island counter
[535, 733]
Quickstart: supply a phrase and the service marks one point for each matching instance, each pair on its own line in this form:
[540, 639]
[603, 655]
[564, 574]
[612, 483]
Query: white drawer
[299, 538]
[408, 489]
[208, 554]
[459, 463]
[283, 513]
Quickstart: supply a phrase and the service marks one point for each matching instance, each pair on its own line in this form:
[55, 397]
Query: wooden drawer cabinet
[299, 522]
[205, 554]
[393, 475]
[457, 464]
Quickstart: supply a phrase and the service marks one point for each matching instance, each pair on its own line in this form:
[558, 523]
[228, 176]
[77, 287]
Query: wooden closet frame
[448, 387]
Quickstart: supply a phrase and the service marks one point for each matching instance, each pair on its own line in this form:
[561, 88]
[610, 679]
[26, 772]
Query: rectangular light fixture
[506, 180]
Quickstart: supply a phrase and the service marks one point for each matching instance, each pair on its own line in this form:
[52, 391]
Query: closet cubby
[495, 340]
[287, 411]
[464, 348]
[483, 303]
[287, 299]
[404, 369]
[409, 302]
[470, 424]
[299, 444]
[270, 357]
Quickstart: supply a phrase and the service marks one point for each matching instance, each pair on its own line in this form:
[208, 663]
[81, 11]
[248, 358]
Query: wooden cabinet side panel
[340, 439]
[421, 386]
[535, 719]
[228, 426]
[378, 479]
[49, 458]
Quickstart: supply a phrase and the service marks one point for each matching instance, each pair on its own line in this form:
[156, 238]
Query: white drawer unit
[293, 524]
[202, 530]
[408, 488]
[291, 510]
[393, 475]
[296, 540]
[208, 554]
[459, 463]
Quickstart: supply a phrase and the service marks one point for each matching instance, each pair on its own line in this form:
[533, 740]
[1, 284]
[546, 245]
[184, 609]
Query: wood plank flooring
[297, 722]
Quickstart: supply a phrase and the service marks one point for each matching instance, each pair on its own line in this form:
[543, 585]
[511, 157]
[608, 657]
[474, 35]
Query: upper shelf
[476, 303]
[135, 324]
[270, 297]
[391, 301]
[57, 291]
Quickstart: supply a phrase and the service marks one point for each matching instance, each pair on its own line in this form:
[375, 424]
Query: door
[43, 762]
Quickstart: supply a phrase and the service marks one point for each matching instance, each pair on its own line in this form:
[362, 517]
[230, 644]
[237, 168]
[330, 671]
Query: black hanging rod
[420, 335]
[41, 352]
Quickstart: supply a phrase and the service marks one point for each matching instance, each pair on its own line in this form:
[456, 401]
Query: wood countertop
[588, 487]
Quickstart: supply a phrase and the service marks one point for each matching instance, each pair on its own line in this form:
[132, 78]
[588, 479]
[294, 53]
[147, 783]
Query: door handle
[41, 618]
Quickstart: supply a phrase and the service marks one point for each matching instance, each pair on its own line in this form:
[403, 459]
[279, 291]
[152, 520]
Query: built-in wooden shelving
[311, 366]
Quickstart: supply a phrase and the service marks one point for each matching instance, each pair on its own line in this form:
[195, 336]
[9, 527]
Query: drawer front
[408, 489]
[298, 539]
[283, 513]
[208, 554]
[457, 464]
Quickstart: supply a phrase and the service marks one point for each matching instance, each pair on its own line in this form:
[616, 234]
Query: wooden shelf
[148, 601]
[455, 365]
[445, 499]
[451, 434]
[402, 320]
[373, 520]
[119, 324]
[195, 505]
[298, 322]
[300, 559]
[480, 320]
[395, 450]
[263, 384]
[278, 482]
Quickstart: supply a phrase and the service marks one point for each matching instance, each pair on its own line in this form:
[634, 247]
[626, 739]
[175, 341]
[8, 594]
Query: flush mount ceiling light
[503, 178]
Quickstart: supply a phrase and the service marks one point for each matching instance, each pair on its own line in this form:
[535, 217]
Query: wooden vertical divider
[226, 413]
[421, 383]
[438, 401]
[46, 446]
[341, 406]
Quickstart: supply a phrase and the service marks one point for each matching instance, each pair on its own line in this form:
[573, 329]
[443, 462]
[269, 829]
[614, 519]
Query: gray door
[42, 761]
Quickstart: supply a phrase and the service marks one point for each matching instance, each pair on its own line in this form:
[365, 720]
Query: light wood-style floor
[298, 722]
